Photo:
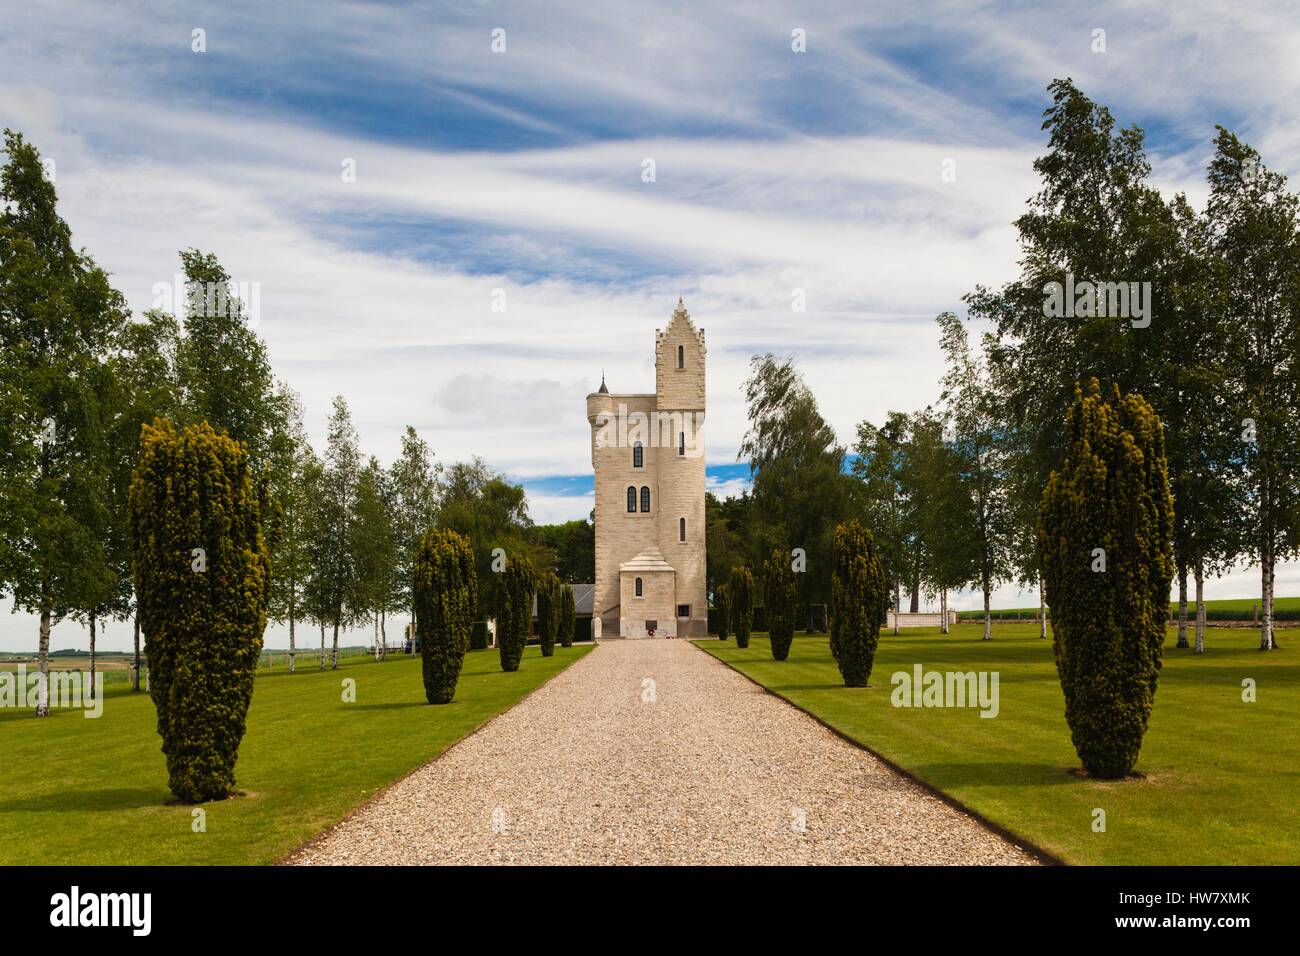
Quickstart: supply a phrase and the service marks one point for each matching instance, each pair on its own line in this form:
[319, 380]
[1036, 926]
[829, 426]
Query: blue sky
[521, 171]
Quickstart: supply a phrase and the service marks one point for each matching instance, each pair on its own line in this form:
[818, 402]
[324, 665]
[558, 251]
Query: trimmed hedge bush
[781, 599]
[721, 613]
[1105, 531]
[478, 636]
[202, 581]
[568, 616]
[759, 619]
[858, 599]
[741, 591]
[548, 611]
[445, 591]
[514, 610]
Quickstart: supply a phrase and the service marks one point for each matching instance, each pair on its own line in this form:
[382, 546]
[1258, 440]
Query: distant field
[1231, 609]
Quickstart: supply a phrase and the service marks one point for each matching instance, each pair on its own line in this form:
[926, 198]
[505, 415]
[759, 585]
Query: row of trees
[80, 378]
[1199, 313]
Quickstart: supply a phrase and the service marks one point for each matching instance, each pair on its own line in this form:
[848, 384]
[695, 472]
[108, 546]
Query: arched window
[638, 587]
[631, 499]
[638, 456]
[645, 498]
[681, 356]
[681, 443]
[681, 529]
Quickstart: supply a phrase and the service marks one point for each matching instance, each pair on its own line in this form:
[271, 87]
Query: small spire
[603, 389]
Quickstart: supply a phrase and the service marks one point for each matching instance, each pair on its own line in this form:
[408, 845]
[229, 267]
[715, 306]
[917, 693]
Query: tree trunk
[1182, 604]
[1266, 611]
[135, 677]
[916, 597]
[383, 633]
[374, 623]
[43, 658]
[943, 611]
[335, 665]
[1042, 612]
[322, 644]
[292, 647]
[988, 620]
[898, 603]
[1200, 608]
[90, 692]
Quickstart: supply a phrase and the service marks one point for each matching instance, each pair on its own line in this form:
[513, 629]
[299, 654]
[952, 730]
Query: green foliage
[741, 593]
[1111, 493]
[568, 616]
[574, 545]
[549, 597]
[374, 544]
[224, 372]
[493, 513]
[413, 482]
[780, 601]
[202, 613]
[334, 547]
[722, 610]
[445, 587]
[478, 637]
[858, 602]
[62, 550]
[514, 609]
[800, 489]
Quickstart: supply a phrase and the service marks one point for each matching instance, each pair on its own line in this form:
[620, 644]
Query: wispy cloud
[522, 172]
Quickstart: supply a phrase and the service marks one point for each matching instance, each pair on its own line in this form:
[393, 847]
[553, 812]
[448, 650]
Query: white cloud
[776, 171]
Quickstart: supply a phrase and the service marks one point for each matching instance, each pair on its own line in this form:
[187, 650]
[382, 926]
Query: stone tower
[647, 451]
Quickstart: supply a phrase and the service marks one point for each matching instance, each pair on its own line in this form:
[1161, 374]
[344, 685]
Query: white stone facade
[659, 541]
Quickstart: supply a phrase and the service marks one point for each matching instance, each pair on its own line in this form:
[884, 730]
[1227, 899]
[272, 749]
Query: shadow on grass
[999, 774]
[395, 705]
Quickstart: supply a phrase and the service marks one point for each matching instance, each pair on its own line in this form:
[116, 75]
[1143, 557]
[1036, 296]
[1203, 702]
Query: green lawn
[95, 791]
[1220, 775]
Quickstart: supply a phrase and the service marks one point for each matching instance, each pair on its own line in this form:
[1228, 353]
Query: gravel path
[651, 751]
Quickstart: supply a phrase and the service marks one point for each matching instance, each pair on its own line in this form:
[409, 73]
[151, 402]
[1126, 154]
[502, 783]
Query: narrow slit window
[681, 356]
[645, 499]
[638, 456]
[638, 587]
[681, 529]
[631, 499]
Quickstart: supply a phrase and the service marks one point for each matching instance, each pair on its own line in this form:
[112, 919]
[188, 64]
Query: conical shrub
[568, 616]
[514, 610]
[548, 611]
[780, 600]
[1105, 533]
[202, 581]
[741, 592]
[445, 589]
[858, 597]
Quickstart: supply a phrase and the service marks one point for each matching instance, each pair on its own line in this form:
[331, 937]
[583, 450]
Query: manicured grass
[1220, 776]
[95, 791]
